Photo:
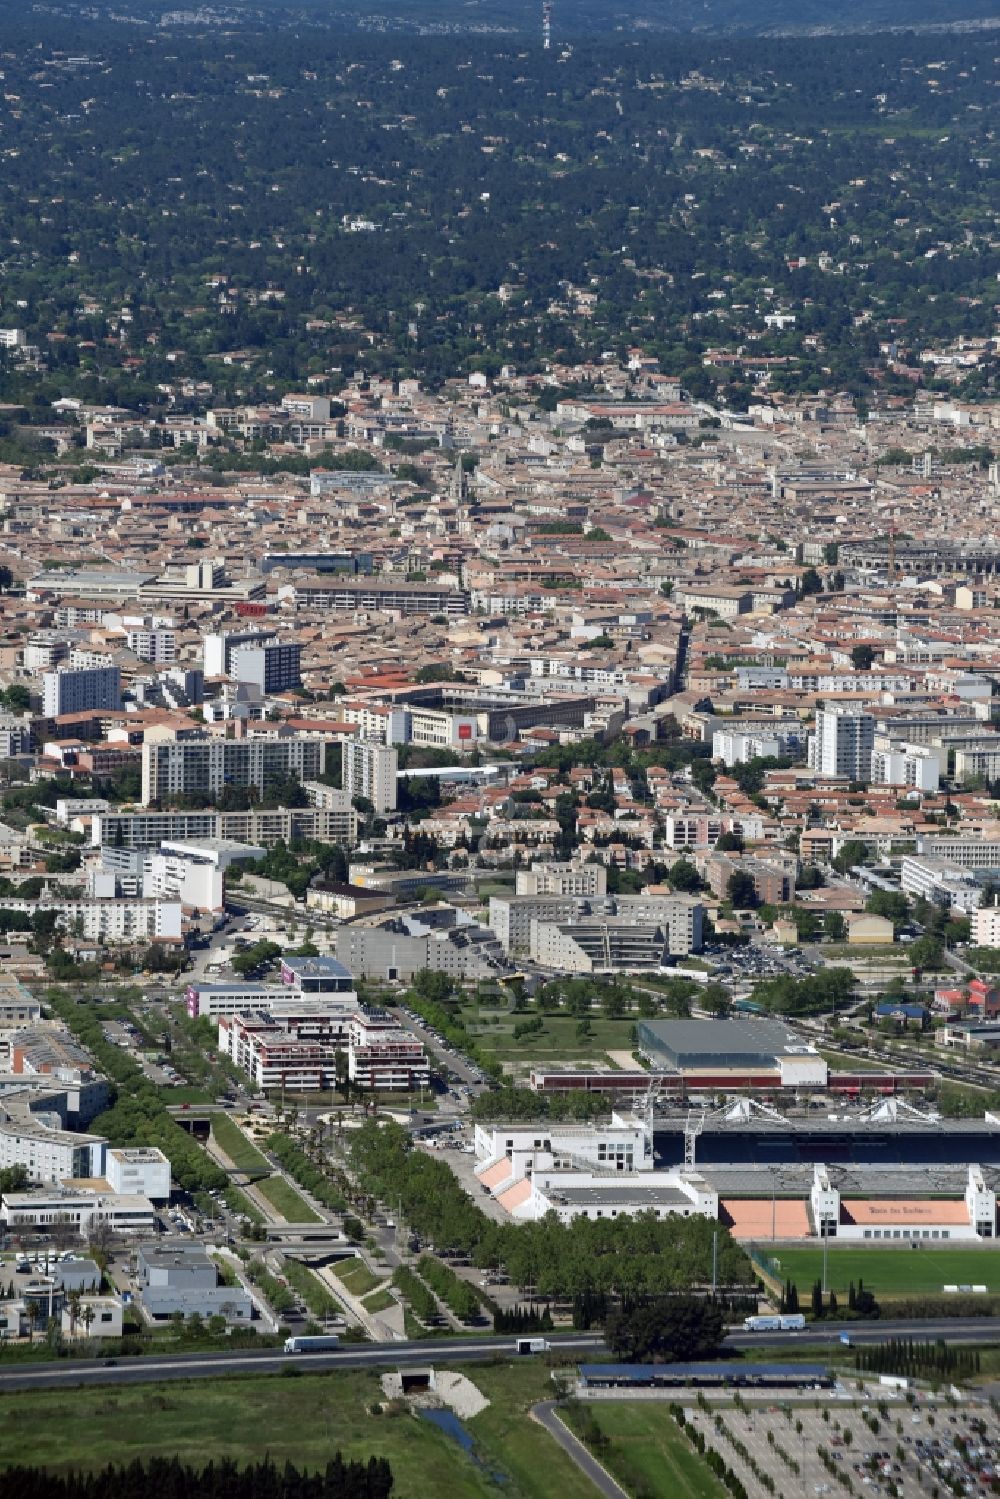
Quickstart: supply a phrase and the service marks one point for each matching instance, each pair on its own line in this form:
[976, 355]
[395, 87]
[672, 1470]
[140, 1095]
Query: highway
[153, 1369]
[950, 1329]
[587, 1347]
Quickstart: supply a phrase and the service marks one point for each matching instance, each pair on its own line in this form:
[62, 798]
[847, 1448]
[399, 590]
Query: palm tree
[73, 1303]
[87, 1317]
[36, 1314]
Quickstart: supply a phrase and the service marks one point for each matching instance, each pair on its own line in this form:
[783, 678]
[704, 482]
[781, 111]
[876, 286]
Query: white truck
[786, 1322]
[530, 1345]
[316, 1344]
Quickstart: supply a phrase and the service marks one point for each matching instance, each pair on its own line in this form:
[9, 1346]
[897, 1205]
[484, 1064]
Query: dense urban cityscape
[499, 753]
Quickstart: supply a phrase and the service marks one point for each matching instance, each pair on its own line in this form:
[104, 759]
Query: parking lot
[872, 1446]
[757, 961]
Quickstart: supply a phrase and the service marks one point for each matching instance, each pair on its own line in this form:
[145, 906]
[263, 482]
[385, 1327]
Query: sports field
[890, 1272]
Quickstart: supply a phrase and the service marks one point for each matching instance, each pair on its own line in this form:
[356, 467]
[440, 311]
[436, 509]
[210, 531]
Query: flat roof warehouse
[747, 1042]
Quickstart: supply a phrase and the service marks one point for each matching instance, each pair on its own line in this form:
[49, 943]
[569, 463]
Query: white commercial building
[69, 1207]
[843, 743]
[969, 853]
[140, 1170]
[369, 769]
[680, 917]
[47, 1152]
[940, 881]
[584, 1170]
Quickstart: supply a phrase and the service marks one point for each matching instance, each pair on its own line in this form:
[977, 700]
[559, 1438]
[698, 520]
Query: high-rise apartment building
[843, 743]
[81, 690]
[370, 770]
[218, 648]
[273, 666]
[205, 765]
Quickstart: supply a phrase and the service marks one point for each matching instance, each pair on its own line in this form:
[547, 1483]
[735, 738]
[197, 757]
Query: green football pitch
[889, 1272]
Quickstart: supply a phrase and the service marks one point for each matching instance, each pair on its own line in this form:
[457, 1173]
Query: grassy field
[285, 1200]
[846, 1061]
[649, 1455]
[190, 1095]
[891, 1272]
[304, 1421]
[379, 1301]
[556, 1040]
[357, 1277]
[230, 1138]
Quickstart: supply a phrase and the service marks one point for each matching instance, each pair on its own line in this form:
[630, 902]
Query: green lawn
[357, 1277]
[285, 1200]
[379, 1301]
[230, 1138]
[846, 1061]
[650, 1455]
[556, 1039]
[190, 1095]
[890, 1272]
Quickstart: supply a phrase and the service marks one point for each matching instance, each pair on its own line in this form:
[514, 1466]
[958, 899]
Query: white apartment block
[843, 743]
[334, 821]
[159, 646]
[562, 879]
[271, 666]
[307, 407]
[701, 830]
[369, 769]
[986, 926]
[207, 765]
[217, 649]
[912, 765]
[384, 1057]
[736, 749]
[977, 762]
[112, 921]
